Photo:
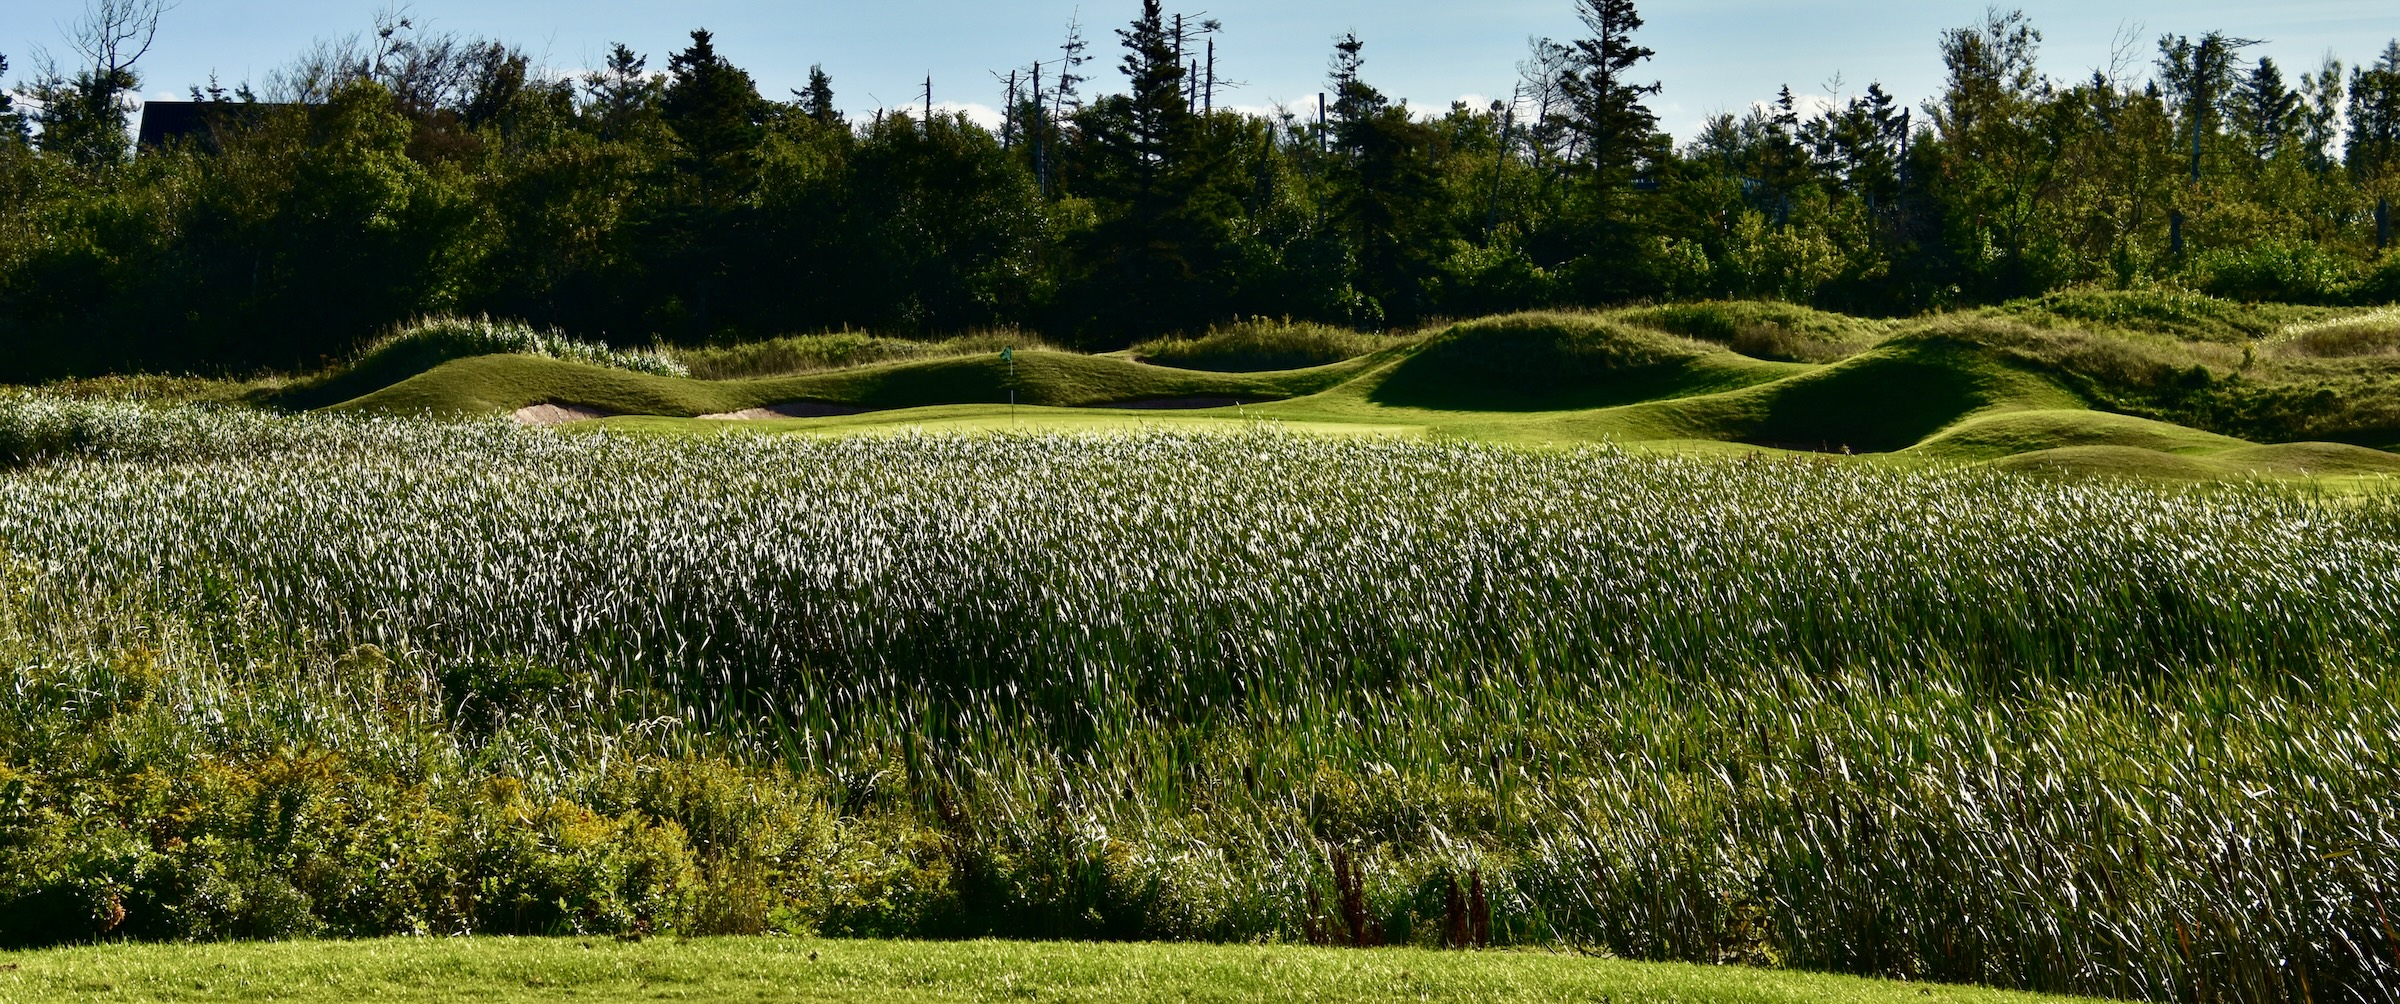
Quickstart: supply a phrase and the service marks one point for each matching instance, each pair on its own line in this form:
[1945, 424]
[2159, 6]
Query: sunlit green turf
[508, 970]
[2025, 390]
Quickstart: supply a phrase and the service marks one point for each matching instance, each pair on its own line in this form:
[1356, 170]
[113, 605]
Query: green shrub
[2276, 271]
[2381, 283]
[1261, 346]
[552, 866]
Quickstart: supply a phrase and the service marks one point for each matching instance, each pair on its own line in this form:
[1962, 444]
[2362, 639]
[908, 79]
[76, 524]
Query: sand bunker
[789, 409]
[558, 414]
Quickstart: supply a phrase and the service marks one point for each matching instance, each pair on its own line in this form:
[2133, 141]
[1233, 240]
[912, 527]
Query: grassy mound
[1766, 330]
[1562, 362]
[1886, 399]
[1259, 345]
[499, 384]
[1990, 437]
[2102, 372]
[435, 342]
[840, 350]
[2316, 460]
[2113, 461]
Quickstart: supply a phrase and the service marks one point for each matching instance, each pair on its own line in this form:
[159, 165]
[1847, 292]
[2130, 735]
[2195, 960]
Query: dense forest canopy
[409, 172]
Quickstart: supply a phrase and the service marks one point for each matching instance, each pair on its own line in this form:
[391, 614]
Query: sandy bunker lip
[789, 409]
[546, 414]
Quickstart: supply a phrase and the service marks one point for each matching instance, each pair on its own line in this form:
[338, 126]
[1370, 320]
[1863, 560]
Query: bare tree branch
[115, 34]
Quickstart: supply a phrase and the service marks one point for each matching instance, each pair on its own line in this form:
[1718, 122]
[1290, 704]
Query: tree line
[405, 172]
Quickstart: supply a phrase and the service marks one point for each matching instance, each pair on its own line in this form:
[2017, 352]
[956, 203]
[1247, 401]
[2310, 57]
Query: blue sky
[1714, 55]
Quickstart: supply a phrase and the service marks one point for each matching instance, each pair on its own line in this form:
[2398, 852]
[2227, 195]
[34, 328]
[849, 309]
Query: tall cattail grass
[2082, 736]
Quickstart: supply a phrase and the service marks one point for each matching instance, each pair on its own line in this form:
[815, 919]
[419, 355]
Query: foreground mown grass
[350, 677]
[507, 970]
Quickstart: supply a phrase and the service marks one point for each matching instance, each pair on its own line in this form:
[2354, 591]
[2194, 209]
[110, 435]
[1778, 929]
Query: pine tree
[1159, 115]
[623, 94]
[2200, 78]
[2266, 112]
[12, 124]
[718, 119]
[1354, 103]
[1616, 126]
[1383, 184]
[2322, 125]
[1066, 98]
[715, 111]
[2375, 115]
[817, 101]
[1618, 138]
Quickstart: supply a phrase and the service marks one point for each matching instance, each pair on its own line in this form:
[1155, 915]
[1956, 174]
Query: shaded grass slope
[1562, 362]
[1882, 400]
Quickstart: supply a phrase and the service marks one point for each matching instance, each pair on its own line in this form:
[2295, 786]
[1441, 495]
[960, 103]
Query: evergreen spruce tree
[2375, 115]
[1618, 136]
[1149, 265]
[718, 119]
[716, 113]
[817, 101]
[1383, 187]
[1608, 106]
[12, 124]
[2322, 120]
[2201, 78]
[623, 94]
[1158, 118]
[2266, 112]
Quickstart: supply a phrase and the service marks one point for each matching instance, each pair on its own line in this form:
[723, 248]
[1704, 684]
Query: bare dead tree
[113, 35]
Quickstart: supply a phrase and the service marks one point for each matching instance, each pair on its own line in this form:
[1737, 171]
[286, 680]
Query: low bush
[2276, 271]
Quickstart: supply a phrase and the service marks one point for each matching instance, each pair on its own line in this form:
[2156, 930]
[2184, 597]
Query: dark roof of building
[163, 121]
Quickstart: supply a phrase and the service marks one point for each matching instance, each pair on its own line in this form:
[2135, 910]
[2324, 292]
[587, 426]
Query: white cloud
[1807, 105]
[981, 114]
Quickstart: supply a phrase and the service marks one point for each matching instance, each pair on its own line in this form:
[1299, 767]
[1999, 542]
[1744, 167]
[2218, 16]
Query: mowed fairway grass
[744, 970]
